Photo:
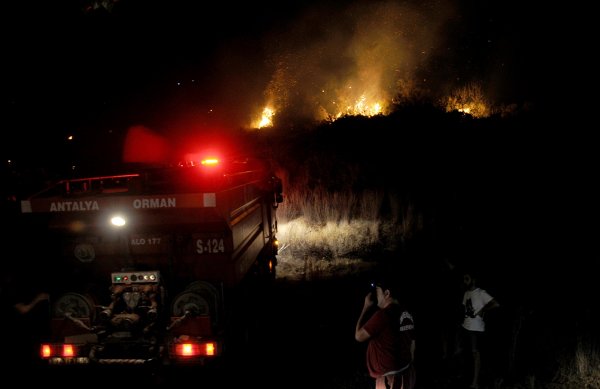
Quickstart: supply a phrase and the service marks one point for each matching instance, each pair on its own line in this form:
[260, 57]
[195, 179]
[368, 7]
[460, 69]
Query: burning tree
[468, 99]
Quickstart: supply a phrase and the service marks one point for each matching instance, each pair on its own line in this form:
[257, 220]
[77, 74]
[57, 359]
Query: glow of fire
[337, 103]
[361, 107]
[475, 109]
[469, 100]
[266, 118]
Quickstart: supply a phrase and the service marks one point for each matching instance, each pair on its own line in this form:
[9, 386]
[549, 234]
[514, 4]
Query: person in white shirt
[476, 303]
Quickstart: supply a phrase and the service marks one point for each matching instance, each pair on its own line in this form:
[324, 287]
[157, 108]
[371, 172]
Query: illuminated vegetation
[468, 99]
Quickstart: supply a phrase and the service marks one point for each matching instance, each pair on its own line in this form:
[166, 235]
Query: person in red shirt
[390, 331]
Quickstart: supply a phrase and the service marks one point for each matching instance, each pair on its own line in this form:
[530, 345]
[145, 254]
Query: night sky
[87, 68]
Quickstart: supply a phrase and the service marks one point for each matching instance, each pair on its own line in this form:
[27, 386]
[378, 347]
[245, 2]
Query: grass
[327, 234]
[578, 369]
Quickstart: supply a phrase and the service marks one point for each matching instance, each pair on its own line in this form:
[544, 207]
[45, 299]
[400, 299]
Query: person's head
[385, 290]
[469, 279]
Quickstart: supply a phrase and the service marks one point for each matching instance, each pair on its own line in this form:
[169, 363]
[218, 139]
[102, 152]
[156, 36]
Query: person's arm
[360, 334]
[23, 308]
[492, 304]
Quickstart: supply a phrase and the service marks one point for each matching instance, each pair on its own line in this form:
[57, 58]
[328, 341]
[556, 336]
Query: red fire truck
[153, 266]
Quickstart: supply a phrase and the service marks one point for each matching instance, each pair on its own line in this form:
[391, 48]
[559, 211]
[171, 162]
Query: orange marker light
[68, 350]
[46, 351]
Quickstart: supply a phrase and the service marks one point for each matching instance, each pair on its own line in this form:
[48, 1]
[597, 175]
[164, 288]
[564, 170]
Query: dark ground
[305, 339]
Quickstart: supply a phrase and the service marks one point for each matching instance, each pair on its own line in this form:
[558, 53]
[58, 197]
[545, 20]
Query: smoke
[324, 60]
[179, 68]
[333, 57]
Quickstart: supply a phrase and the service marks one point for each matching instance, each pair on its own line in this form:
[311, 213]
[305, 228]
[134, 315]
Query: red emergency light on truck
[153, 264]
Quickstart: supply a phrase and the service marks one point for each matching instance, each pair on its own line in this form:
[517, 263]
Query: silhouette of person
[25, 319]
[476, 303]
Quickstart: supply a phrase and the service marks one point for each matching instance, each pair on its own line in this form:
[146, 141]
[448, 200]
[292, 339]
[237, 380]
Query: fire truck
[159, 265]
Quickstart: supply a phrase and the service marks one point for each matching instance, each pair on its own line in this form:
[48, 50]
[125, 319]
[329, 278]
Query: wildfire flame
[370, 60]
[361, 107]
[468, 99]
[337, 108]
[266, 118]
